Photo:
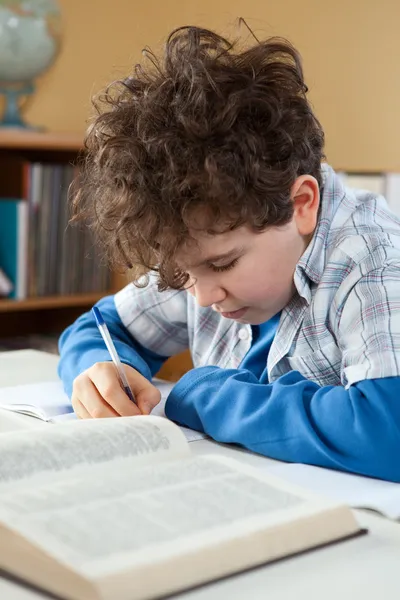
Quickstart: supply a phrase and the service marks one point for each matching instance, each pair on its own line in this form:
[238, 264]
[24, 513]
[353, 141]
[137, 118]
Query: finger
[109, 389]
[147, 399]
[93, 402]
[79, 409]
[146, 395]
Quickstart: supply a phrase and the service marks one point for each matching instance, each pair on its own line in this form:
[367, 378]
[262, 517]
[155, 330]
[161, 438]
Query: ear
[305, 196]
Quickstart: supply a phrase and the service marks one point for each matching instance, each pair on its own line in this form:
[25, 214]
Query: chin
[250, 319]
[246, 320]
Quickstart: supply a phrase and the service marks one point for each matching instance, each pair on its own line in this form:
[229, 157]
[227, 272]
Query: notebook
[48, 402]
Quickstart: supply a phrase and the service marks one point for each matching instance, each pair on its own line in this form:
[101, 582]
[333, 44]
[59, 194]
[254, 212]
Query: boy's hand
[97, 393]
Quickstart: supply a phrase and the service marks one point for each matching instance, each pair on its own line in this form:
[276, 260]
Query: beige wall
[351, 51]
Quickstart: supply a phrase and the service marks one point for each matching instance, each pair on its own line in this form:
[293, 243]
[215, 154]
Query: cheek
[248, 284]
[267, 282]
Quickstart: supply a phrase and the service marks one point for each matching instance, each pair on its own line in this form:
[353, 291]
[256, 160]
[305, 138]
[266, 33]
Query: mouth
[236, 314]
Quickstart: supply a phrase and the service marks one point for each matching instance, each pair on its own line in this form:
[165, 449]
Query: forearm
[81, 346]
[296, 420]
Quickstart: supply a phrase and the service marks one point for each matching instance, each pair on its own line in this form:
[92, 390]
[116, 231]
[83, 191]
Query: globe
[30, 37]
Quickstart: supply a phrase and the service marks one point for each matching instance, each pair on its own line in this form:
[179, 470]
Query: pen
[105, 334]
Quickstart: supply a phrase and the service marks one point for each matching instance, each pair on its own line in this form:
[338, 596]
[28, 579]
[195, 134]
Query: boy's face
[248, 276]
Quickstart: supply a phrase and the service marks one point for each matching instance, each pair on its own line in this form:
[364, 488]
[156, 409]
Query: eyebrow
[218, 257]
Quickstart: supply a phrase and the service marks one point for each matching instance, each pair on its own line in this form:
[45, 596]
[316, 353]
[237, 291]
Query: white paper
[13, 421]
[42, 400]
[357, 491]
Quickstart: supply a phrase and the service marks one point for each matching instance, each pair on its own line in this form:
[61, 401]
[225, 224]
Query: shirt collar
[311, 265]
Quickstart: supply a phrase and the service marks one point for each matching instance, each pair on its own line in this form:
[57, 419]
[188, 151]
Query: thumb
[146, 395]
[148, 398]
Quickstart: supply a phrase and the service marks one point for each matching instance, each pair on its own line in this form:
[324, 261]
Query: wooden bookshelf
[16, 139]
[49, 302]
[44, 314]
[51, 314]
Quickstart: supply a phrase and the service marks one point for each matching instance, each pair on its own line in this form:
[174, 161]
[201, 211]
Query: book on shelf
[13, 244]
[392, 192]
[122, 509]
[371, 182]
[41, 253]
[385, 184]
[6, 286]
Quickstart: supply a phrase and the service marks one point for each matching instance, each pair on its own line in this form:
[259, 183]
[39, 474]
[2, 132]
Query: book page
[43, 453]
[149, 514]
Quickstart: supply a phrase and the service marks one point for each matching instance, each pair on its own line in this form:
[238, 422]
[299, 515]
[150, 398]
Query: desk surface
[365, 568]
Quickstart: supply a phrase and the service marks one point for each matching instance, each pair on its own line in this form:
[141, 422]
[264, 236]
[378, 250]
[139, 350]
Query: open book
[119, 509]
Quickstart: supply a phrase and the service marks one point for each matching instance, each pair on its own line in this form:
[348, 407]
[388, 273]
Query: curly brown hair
[208, 127]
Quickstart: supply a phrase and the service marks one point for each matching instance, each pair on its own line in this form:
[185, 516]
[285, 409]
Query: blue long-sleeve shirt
[292, 419]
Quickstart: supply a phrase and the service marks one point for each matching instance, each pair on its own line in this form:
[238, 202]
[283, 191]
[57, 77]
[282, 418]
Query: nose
[207, 293]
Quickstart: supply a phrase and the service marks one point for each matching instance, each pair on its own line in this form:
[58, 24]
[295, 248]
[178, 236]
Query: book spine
[9, 240]
[21, 292]
[43, 232]
[371, 182]
[62, 238]
[35, 197]
[54, 217]
[6, 285]
[392, 192]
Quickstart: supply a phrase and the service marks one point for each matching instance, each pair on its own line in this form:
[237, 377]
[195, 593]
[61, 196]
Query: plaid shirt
[342, 325]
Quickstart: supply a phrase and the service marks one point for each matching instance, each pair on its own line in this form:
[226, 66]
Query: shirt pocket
[323, 366]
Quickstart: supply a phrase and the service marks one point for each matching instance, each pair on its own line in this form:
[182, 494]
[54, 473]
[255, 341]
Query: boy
[205, 173]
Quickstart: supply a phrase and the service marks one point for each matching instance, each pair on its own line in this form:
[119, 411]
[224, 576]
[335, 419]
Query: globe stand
[12, 112]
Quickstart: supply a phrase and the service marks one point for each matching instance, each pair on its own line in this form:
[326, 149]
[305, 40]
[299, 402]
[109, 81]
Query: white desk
[365, 568]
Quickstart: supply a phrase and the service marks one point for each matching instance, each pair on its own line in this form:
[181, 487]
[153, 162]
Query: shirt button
[243, 334]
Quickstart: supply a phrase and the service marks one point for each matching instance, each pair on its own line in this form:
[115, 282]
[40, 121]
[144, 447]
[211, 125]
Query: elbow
[376, 425]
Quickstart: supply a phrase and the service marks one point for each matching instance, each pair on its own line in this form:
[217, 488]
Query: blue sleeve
[81, 346]
[295, 420]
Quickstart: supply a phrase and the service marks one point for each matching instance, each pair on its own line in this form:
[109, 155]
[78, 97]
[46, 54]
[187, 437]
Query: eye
[224, 267]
